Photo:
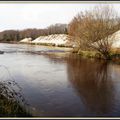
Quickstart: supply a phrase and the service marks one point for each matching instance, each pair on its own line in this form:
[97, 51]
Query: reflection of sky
[21, 15]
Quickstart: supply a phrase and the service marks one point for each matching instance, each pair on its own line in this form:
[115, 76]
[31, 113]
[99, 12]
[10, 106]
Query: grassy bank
[114, 54]
[51, 44]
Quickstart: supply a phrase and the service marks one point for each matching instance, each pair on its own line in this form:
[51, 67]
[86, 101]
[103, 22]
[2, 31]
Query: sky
[20, 16]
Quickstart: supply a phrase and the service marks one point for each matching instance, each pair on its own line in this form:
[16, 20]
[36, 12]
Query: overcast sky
[40, 15]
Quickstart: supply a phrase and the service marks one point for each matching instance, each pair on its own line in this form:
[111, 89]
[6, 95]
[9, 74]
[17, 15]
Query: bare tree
[94, 29]
[57, 29]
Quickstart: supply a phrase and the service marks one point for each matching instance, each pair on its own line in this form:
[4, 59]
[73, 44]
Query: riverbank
[62, 51]
[113, 56]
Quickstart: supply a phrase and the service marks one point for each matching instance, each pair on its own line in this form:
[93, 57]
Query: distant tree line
[16, 35]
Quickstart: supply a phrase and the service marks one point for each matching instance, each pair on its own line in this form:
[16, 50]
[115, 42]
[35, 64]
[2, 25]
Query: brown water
[55, 85]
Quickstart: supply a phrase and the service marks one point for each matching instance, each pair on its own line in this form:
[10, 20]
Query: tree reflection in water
[12, 102]
[93, 83]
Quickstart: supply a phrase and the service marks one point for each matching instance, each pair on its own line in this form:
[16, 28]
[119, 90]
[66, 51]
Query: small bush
[98, 56]
[75, 50]
[80, 53]
[62, 45]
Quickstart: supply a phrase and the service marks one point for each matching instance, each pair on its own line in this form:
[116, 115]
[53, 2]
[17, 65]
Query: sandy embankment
[54, 39]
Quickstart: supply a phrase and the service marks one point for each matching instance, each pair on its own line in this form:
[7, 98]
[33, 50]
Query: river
[61, 85]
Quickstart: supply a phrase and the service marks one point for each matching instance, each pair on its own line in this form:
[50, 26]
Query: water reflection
[12, 102]
[93, 83]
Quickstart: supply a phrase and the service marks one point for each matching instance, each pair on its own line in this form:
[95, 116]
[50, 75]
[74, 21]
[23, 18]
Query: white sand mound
[26, 40]
[114, 40]
[56, 39]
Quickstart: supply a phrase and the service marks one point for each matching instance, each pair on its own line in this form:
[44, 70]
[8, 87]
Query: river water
[61, 85]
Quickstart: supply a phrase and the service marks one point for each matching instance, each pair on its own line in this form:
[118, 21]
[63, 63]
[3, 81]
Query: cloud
[39, 15]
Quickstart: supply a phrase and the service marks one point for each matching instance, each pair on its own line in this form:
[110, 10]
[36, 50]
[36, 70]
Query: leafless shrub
[93, 29]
